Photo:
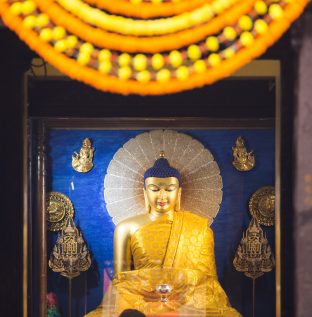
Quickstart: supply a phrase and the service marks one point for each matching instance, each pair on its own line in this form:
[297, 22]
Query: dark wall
[225, 99]
[14, 59]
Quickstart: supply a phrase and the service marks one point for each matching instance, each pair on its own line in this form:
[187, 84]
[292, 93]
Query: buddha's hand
[151, 296]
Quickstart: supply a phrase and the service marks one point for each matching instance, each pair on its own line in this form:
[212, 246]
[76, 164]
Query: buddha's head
[162, 191]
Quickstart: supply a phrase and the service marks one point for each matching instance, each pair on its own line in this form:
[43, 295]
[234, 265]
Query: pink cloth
[51, 300]
[107, 281]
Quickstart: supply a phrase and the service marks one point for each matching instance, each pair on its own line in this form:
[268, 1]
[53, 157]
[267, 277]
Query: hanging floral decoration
[149, 47]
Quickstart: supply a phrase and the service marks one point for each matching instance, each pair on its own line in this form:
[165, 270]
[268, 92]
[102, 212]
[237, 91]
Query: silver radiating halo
[200, 173]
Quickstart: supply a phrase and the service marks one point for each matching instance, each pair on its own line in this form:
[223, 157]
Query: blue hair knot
[162, 169]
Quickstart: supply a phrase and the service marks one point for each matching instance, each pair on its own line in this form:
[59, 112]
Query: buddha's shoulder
[199, 221]
[132, 224]
[193, 217]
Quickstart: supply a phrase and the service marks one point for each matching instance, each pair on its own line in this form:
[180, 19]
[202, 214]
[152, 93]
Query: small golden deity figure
[164, 259]
[82, 161]
[243, 160]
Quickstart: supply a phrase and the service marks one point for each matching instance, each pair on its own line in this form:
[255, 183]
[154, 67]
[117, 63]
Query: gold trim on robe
[178, 252]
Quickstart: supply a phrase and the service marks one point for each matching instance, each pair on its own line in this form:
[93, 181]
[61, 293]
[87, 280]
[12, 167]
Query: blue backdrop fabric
[86, 191]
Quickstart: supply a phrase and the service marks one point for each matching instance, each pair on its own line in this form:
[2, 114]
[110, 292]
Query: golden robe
[177, 250]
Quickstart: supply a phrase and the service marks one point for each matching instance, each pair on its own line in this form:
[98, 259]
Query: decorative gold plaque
[70, 255]
[254, 256]
[262, 205]
[59, 209]
[83, 161]
[243, 161]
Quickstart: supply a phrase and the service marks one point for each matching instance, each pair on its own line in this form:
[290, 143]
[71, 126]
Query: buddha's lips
[162, 204]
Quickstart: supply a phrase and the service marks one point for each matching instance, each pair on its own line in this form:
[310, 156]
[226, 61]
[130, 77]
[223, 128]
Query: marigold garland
[155, 44]
[215, 49]
[147, 10]
[153, 27]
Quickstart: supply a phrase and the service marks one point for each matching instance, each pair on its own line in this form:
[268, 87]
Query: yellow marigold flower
[156, 1]
[175, 58]
[124, 59]
[60, 46]
[28, 7]
[163, 75]
[42, 20]
[214, 59]
[182, 73]
[245, 22]
[157, 61]
[16, 8]
[83, 58]
[58, 33]
[246, 38]
[46, 35]
[229, 33]
[212, 43]
[30, 21]
[139, 62]
[194, 17]
[143, 76]
[71, 41]
[194, 52]
[218, 7]
[208, 11]
[261, 7]
[276, 11]
[135, 1]
[105, 66]
[104, 55]
[86, 47]
[124, 72]
[261, 26]
[228, 52]
[200, 66]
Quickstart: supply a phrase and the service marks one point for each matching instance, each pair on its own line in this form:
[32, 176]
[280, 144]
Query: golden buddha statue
[164, 259]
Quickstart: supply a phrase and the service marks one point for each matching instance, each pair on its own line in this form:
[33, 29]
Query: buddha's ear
[178, 203]
[146, 202]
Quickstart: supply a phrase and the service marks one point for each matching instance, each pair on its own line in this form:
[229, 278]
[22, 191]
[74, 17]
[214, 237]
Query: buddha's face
[162, 193]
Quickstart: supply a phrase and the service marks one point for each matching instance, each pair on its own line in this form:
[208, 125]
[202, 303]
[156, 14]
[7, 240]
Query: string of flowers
[146, 10]
[105, 39]
[215, 56]
[129, 26]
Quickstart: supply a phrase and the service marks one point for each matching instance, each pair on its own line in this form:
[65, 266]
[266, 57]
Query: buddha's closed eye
[156, 188]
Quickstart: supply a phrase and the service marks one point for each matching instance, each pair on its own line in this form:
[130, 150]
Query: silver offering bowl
[163, 290]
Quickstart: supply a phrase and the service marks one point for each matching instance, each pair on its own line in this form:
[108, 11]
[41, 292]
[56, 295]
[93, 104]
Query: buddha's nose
[162, 194]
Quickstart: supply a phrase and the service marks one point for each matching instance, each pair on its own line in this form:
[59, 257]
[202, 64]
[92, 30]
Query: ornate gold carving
[243, 160]
[83, 162]
[262, 205]
[59, 209]
[253, 256]
[162, 154]
[70, 255]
